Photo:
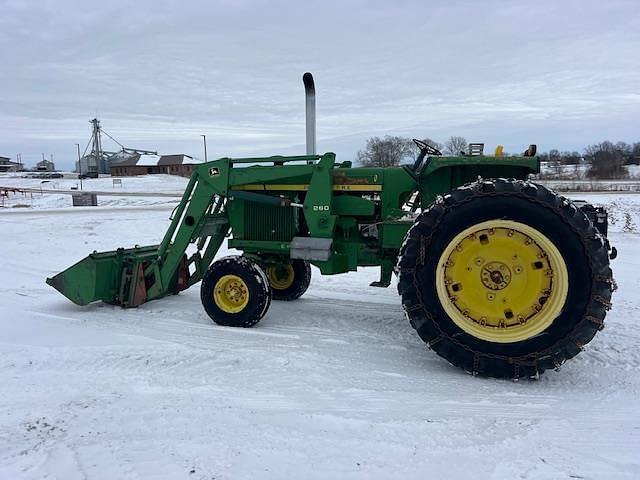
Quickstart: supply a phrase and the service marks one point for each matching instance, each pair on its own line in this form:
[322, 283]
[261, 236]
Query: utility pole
[204, 139]
[79, 165]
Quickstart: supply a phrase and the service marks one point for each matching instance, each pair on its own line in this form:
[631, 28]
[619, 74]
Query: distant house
[6, 165]
[178, 164]
[45, 166]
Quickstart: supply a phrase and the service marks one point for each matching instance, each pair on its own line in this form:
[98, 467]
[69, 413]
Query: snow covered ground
[143, 183]
[334, 385]
[171, 184]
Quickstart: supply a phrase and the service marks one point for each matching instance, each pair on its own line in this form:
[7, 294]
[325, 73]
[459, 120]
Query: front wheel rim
[231, 294]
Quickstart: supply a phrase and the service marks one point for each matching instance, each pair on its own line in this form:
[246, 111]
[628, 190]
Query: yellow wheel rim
[280, 277]
[502, 281]
[231, 294]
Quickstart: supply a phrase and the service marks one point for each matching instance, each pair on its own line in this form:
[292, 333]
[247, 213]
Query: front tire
[505, 278]
[235, 292]
[289, 281]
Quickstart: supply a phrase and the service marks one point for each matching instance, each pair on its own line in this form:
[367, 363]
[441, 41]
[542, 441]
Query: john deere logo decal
[214, 172]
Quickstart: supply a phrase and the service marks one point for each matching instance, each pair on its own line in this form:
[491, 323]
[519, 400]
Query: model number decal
[321, 208]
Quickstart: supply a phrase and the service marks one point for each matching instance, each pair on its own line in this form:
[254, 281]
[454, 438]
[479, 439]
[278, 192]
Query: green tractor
[499, 275]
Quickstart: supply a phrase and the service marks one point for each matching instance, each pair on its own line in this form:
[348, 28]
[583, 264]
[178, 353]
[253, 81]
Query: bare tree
[555, 162]
[455, 145]
[635, 154]
[577, 173]
[571, 158]
[624, 149]
[607, 160]
[384, 152]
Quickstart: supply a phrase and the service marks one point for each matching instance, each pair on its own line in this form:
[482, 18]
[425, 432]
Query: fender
[443, 174]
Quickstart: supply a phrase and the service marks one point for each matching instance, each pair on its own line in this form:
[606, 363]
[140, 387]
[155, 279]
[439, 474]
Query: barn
[6, 165]
[178, 164]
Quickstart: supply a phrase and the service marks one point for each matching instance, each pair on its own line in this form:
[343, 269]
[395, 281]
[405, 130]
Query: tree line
[391, 151]
[604, 160]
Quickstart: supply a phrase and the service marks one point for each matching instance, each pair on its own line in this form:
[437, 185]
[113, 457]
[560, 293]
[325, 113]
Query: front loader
[499, 275]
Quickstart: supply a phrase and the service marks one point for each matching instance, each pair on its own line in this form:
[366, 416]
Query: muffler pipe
[310, 112]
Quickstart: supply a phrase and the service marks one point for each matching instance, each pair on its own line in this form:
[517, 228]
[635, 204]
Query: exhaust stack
[310, 111]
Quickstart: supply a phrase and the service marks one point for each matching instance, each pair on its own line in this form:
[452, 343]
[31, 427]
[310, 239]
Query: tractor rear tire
[235, 292]
[290, 281]
[505, 278]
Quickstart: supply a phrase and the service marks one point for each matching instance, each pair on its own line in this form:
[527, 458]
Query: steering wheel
[426, 148]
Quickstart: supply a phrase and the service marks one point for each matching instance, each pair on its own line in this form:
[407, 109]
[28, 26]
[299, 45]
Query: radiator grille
[266, 222]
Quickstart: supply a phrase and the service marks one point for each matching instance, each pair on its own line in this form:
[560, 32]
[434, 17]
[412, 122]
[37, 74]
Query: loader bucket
[113, 277]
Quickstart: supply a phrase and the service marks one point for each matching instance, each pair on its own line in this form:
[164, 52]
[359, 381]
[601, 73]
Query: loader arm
[130, 277]
[200, 209]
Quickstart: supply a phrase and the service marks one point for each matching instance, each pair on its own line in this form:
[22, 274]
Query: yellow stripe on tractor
[305, 187]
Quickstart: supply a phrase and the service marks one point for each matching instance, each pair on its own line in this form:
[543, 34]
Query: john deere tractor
[499, 275]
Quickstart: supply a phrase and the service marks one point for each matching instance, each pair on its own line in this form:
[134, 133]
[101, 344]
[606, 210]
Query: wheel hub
[495, 276]
[502, 281]
[280, 277]
[231, 294]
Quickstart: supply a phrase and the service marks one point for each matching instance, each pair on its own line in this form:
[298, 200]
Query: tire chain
[478, 190]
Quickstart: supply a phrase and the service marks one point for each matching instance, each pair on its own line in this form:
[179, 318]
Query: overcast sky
[160, 73]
